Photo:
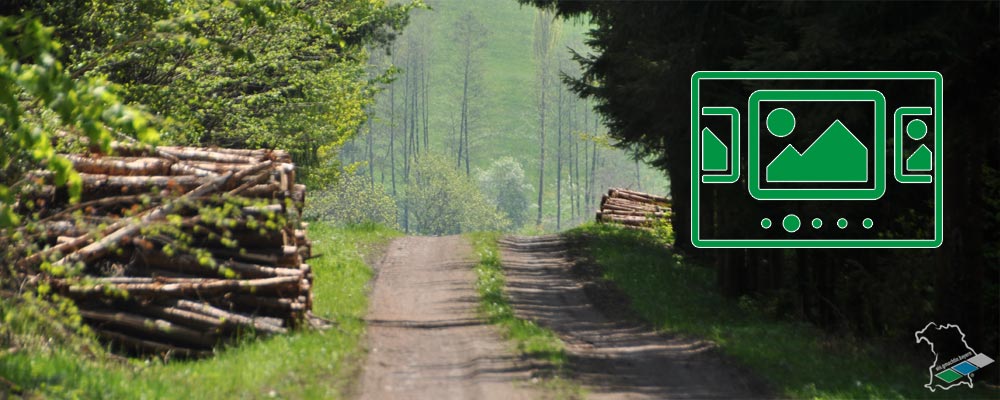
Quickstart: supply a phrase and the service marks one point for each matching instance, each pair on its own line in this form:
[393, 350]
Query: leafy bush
[353, 200]
[443, 201]
[503, 183]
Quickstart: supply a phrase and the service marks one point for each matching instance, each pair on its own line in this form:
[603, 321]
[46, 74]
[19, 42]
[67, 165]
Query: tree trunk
[559, 130]
[392, 132]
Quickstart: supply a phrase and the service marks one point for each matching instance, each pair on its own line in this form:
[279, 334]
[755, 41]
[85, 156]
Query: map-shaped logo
[954, 361]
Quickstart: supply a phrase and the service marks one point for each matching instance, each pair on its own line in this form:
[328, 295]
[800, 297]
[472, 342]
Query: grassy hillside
[506, 122]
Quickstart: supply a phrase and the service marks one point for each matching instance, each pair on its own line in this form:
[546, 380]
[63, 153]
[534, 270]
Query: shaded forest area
[640, 79]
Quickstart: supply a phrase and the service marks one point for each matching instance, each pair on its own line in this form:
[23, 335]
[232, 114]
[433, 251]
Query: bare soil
[610, 353]
[424, 338]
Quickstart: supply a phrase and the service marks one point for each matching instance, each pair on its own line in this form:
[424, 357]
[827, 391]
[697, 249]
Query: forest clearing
[499, 199]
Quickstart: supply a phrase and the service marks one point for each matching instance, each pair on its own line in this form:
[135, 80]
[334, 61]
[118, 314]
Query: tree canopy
[249, 73]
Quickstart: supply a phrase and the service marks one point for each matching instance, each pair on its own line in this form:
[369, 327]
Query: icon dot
[780, 122]
[765, 223]
[916, 129]
[842, 223]
[791, 223]
[817, 223]
[867, 223]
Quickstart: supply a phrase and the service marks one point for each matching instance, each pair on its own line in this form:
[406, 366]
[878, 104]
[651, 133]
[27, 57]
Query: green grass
[529, 338]
[307, 364]
[797, 359]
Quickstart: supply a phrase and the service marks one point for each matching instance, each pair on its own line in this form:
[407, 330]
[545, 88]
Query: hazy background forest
[467, 94]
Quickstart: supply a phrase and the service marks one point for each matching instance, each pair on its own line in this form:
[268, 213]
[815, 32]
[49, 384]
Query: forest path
[424, 338]
[611, 357]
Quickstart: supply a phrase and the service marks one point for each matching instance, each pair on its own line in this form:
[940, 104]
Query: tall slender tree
[559, 154]
[470, 35]
[546, 33]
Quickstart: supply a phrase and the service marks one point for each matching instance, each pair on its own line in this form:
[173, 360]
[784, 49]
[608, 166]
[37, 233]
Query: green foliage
[353, 199]
[503, 183]
[444, 201]
[306, 364]
[799, 360]
[247, 73]
[39, 97]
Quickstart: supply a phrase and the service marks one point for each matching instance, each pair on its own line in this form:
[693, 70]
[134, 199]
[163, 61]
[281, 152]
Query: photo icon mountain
[836, 156]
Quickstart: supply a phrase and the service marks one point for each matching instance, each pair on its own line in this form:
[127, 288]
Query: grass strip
[529, 339]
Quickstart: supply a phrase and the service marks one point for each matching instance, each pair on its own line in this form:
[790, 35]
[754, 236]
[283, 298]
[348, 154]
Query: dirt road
[612, 358]
[424, 339]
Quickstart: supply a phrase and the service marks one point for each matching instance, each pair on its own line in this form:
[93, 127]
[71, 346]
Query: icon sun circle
[916, 129]
[780, 122]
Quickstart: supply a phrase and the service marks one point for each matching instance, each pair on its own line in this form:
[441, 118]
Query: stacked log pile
[632, 209]
[242, 269]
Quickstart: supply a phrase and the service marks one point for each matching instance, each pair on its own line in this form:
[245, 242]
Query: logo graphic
[819, 150]
[954, 361]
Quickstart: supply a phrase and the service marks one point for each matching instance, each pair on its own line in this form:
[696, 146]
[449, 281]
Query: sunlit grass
[302, 365]
[797, 359]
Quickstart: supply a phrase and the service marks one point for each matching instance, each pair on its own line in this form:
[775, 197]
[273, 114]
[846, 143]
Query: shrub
[443, 201]
[354, 199]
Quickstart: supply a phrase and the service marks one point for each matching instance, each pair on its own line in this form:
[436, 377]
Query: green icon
[922, 160]
[916, 129]
[948, 375]
[836, 146]
[714, 157]
[780, 122]
[816, 140]
[791, 223]
[835, 156]
[713, 154]
[867, 223]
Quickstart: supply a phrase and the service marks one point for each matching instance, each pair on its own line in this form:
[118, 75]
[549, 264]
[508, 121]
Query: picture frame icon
[853, 153]
[755, 178]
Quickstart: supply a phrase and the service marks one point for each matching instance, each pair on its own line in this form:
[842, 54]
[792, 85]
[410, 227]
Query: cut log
[181, 316]
[631, 208]
[146, 345]
[166, 287]
[259, 324]
[136, 295]
[280, 304]
[190, 263]
[138, 184]
[156, 327]
[127, 166]
[207, 155]
[124, 230]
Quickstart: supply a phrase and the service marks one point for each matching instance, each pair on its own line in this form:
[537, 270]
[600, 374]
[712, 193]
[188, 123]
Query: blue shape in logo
[965, 368]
